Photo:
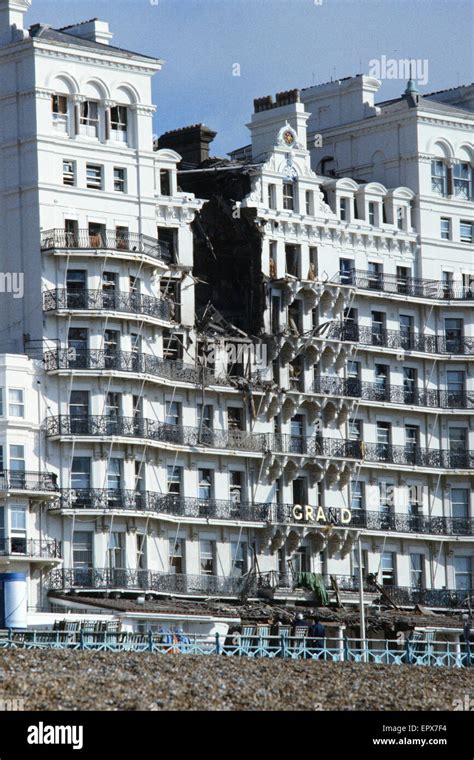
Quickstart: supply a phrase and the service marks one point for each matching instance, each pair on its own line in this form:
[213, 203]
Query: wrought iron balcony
[416, 456]
[404, 595]
[103, 579]
[29, 547]
[83, 239]
[123, 361]
[132, 427]
[172, 504]
[21, 480]
[405, 523]
[394, 394]
[400, 340]
[411, 286]
[107, 300]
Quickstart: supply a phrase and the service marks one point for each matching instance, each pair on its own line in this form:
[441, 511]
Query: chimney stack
[192, 143]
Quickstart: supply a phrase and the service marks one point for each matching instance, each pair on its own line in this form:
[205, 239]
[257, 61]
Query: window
[355, 430]
[239, 558]
[172, 345]
[386, 492]
[89, 119]
[462, 175]
[378, 328]
[375, 275]
[456, 382]
[292, 259]
[165, 182]
[81, 473]
[59, 112]
[462, 573]
[205, 414]
[372, 213]
[439, 177]
[175, 477]
[357, 495]
[16, 404]
[466, 231]
[139, 476]
[94, 177]
[412, 442]
[122, 240]
[141, 551]
[206, 556]
[119, 123]
[289, 196]
[453, 329]
[383, 439]
[114, 474]
[445, 228]
[82, 551]
[388, 569]
[1, 403]
[116, 550]
[400, 217]
[235, 486]
[309, 201]
[173, 413]
[204, 484]
[168, 237]
[344, 209]
[272, 197]
[176, 556]
[120, 176]
[346, 271]
[235, 418]
[18, 530]
[69, 172]
[409, 385]
[406, 331]
[416, 571]
[300, 560]
[353, 377]
[79, 412]
[460, 503]
[381, 386]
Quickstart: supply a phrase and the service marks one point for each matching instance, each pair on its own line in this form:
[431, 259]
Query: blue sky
[279, 44]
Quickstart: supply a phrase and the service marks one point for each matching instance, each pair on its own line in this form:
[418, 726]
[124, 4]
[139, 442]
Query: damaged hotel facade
[225, 373]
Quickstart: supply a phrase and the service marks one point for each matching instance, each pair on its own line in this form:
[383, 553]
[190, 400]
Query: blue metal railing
[386, 652]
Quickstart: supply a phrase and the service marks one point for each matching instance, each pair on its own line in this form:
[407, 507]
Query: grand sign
[328, 515]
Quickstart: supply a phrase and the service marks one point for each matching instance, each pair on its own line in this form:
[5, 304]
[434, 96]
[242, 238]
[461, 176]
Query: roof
[156, 607]
[61, 37]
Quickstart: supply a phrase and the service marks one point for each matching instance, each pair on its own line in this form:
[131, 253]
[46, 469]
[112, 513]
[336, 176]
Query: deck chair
[264, 641]
[246, 639]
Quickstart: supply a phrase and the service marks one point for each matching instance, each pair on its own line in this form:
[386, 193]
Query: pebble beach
[62, 680]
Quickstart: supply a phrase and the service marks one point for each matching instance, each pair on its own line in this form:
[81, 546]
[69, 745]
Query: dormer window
[119, 123]
[344, 209]
[439, 177]
[59, 112]
[373, 213]
[165, 182]
[90, 118]
[400, 217]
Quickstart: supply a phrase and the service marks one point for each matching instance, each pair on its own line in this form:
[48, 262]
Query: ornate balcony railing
[172, 504]
[83, 239]
[103, 499]
[132, 427]
[22, 480]
[123, 361]
[405, 523]
[105, 579]
[400, 340]
[411, 286]
[107, 300]
[30, 547]
[417, 456]
[394, 394]
[98, 579]
[404, 595]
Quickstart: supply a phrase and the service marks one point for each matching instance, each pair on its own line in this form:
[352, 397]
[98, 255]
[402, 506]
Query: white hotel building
[129, 468]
